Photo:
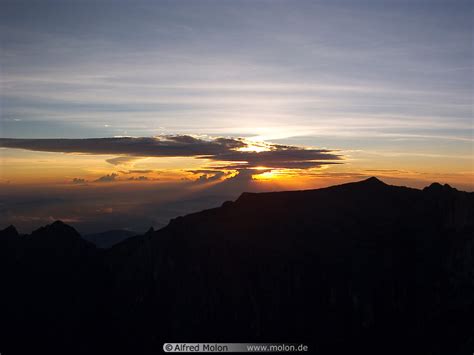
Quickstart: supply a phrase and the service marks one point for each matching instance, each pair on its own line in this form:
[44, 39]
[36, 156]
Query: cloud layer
[228, 153]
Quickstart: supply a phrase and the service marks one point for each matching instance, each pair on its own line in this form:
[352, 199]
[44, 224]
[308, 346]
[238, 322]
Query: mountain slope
[357, 264]
[349, 268]
[108, 239]
[53, 292]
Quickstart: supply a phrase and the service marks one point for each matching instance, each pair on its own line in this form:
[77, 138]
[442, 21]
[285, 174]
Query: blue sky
[275, 69]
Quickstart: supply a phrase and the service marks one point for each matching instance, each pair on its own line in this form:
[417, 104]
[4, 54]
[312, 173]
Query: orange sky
[52, 168]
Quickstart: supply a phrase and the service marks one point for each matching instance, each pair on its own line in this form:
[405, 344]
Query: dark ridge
[437, 187]
[344, 269]
[59, 240]
[9, 232]
[57, 227]
[372, 181]
[226, 204]
[364, 185]
[359, 186]
[110, 238]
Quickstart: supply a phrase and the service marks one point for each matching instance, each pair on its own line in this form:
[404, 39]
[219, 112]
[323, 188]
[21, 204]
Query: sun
[256, 147]
[267, 175]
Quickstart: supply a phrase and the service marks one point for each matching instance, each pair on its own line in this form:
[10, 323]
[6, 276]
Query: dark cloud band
[163, 146]
[225, 150]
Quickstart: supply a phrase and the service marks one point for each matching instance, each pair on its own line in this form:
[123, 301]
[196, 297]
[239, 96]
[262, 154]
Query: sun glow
[256, 147]
[267, 175]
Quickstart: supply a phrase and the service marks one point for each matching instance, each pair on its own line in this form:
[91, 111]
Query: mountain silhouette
[362, 267]
[109, 238]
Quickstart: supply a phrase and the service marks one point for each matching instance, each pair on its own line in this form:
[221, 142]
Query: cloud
[204, 171]
[120, 160]
[138, 178]
[137, 171]
[79, 181]
[162, 146]
[107, 178]
[208, 175]
[385, 170]
[230, 153]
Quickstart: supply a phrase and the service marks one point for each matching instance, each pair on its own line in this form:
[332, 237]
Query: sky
[138, 111]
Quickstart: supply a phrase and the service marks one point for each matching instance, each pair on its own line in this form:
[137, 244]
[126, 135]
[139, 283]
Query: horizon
[145, 229]
[118, 115]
